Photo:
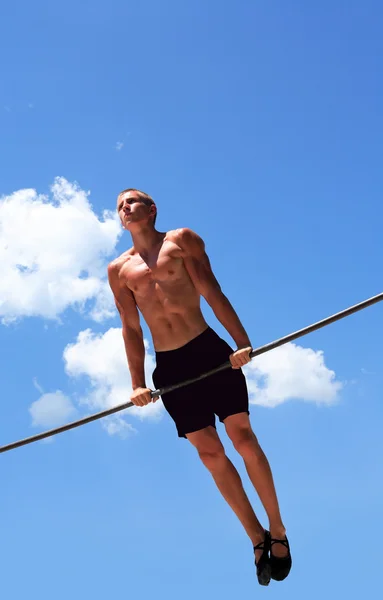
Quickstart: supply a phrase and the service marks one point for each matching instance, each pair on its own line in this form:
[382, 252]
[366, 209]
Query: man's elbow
[131, 332]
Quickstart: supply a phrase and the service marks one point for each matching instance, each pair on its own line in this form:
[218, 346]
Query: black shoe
[280, 566]
[263, 564]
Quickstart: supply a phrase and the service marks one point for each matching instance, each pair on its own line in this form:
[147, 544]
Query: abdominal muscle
[171, 324]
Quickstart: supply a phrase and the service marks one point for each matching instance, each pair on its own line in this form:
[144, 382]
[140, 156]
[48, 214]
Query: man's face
[131, 209]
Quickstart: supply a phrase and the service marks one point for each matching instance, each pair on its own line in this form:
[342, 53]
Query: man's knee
[209, 447]
[213, 458]
[245, 442]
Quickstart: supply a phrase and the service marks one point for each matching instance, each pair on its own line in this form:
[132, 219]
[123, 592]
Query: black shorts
[194, 406]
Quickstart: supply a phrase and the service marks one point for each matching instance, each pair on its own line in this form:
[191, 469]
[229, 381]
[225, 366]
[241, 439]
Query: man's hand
[240, 357]
[141, 397]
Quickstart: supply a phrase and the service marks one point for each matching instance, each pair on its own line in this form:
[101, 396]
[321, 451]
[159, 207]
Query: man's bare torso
[163, 292]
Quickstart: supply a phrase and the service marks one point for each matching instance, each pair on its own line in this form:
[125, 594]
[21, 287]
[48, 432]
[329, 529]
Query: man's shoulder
[116, 264]
[183, 235]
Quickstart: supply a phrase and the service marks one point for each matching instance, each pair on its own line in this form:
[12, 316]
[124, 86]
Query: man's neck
[145, 240]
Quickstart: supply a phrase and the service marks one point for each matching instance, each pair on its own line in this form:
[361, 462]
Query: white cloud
[119, 146]
[291, 372]
[53, 254]
[52, 410]
[37, 386]
[116, 425]
[104, 306]
[102, 360]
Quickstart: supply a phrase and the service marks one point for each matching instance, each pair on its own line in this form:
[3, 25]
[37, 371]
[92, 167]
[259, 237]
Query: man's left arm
[198, 266]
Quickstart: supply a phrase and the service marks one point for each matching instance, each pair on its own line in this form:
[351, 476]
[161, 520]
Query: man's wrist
[139, 385]
[243, 344]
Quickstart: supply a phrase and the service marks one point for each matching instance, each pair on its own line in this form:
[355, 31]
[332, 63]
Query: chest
[162, 268]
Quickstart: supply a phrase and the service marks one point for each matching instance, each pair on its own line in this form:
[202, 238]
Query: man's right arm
[131, 328]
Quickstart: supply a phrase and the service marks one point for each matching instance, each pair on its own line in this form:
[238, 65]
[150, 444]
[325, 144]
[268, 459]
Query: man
[164, 276]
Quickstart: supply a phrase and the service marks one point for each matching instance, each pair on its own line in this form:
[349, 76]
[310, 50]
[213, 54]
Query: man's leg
[228, 481]
[239, 430]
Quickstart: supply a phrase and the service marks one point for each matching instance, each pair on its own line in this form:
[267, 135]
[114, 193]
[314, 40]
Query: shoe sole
[265, 576]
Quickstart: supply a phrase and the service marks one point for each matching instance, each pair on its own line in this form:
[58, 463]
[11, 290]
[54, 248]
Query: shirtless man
[164, 276]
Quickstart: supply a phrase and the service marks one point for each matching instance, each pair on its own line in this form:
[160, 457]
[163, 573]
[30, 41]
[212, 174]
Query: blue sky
[259, 125]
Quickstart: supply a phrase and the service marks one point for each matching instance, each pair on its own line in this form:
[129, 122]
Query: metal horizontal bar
[170, 388]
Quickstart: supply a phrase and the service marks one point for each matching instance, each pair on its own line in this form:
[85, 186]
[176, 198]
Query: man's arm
[198, 266]
[131, 328]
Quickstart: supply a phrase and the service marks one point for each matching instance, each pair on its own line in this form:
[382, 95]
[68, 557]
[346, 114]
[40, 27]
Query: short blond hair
[148, 200]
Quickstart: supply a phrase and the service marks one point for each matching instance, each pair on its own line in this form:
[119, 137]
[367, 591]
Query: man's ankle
[258, 537]
[277, 530]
